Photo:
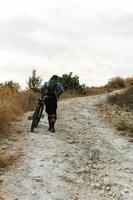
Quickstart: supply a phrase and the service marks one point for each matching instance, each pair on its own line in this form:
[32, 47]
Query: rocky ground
[85, 159]
[119, 117]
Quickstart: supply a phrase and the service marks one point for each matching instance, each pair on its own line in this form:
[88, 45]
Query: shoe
[52, 130]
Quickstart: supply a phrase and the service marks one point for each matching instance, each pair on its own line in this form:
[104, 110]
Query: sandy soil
[85, 159]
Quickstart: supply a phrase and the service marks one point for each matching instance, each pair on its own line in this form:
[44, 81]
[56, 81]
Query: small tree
[71, 82]
[35, 80]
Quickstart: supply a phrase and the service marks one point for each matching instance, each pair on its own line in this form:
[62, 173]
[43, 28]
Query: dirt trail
[84, 160]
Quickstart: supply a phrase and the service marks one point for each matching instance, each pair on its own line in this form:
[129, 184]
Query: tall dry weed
[12, 104]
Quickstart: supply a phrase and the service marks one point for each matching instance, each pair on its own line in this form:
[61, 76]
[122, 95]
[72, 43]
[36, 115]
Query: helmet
[54, 77]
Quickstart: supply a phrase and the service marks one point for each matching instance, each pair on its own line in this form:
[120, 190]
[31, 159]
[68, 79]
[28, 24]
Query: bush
[11, 85]
[71, 83]
[116, 82]
[129, 81]
[123, 99]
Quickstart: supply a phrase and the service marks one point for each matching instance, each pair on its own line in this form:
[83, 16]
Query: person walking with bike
[53, 89]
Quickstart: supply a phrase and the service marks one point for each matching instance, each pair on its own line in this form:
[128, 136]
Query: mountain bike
[37, 115]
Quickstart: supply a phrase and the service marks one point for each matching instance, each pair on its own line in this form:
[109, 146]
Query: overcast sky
[91, 38]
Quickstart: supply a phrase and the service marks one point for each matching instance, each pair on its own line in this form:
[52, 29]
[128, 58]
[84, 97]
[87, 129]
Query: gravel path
[84, 160]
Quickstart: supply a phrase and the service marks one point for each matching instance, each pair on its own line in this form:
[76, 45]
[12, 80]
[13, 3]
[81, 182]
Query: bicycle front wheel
[39, 115]
[36, 117]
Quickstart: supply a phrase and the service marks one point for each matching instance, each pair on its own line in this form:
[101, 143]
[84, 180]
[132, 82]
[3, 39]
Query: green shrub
[71, 83]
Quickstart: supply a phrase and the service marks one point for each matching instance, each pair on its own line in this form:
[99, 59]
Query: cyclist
[53, 89]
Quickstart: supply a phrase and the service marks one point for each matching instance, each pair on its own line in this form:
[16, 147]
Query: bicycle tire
[39, 115]
[35, 120]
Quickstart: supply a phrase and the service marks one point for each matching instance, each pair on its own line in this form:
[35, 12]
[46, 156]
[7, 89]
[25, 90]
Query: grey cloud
[65, 39]
[16, 36]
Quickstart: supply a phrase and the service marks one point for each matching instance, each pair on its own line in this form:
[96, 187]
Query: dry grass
[125, 125]
[70, 94]
[124, 99]
[98, 90]
[7, 160]
[12, 105]
[129, 81]
[119, 111]
[119, 117]
[88, 92]
[116, 82]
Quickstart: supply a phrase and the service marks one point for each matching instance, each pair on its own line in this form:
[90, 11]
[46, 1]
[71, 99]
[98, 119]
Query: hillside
[84, 159]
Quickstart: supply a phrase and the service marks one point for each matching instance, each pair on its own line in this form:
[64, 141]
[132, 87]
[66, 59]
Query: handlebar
[37, 90]
[40, 91]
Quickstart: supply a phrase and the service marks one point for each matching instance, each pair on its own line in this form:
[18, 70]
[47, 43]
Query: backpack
[52, 87]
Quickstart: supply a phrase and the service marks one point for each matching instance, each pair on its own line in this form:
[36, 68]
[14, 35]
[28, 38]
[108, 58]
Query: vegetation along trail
[85, 159]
